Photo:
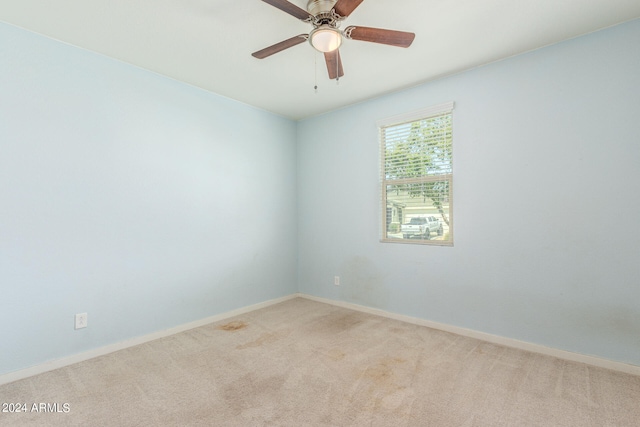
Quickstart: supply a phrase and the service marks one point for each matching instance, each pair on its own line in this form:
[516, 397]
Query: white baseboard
[80, 357]
[495, 339]
[508, 342]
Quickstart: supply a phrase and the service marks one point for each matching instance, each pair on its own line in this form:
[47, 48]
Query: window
[417, 177]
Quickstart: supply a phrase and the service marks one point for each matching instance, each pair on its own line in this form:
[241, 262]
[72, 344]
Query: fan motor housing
[316, 7]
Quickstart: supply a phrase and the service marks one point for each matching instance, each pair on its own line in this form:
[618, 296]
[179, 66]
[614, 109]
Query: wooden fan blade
[334, 64]
[289, 8]
[379, 35]
[279, 47]
[345, 7]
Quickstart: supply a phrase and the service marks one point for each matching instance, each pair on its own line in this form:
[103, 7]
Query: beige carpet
[303, 363]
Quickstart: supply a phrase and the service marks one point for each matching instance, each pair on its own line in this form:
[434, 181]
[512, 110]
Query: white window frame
[409, 117]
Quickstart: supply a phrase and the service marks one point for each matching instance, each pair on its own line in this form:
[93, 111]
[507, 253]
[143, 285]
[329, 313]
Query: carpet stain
[334, 324]
[382, 372]
[233, 326]
[336, 354]
[385, 390]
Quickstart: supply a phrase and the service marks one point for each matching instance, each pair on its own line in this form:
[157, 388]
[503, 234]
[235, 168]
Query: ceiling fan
[326, 37]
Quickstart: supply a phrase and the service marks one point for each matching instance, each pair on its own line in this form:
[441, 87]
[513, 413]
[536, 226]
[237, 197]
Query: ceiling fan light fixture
[325, 38]
[325, 16]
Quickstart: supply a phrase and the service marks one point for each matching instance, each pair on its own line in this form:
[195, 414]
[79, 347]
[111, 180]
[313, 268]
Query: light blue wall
[547, 201]
[148, 203]
[142, 201]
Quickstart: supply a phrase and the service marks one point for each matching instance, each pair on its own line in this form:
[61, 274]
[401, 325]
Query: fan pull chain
[315, 70]
[337, 68]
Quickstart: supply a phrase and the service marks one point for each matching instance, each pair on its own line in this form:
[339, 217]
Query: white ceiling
[208, 43]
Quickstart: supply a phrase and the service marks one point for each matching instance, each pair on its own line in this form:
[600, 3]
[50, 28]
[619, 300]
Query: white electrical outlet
[336, 280]
[81, 320]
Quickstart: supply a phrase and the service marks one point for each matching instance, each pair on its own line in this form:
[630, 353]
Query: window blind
[416, 176]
